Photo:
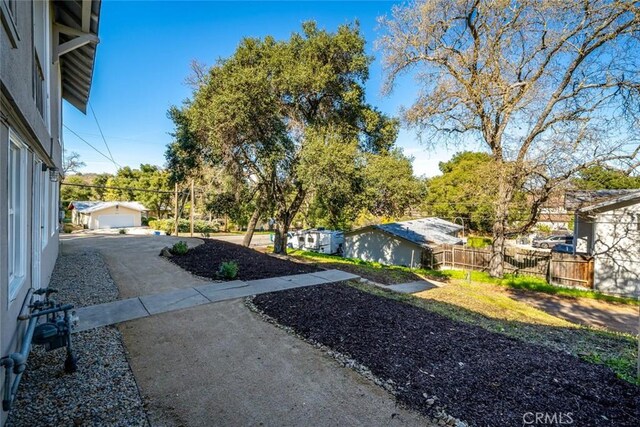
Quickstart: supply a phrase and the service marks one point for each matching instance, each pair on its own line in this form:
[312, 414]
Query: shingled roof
[422, 232]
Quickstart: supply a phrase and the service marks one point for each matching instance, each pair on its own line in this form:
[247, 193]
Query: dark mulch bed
[205, 260]
[483, 378]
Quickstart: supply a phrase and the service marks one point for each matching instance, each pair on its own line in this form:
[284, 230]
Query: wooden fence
[556, 268]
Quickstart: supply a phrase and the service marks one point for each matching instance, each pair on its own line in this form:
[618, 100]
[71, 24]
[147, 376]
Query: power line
[101, 134]
[96, 150]
[105, 187]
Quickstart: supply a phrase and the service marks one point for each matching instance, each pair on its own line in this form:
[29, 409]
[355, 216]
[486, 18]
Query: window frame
[53, 208]
[17, 228]
[8, 16]
[44, 209]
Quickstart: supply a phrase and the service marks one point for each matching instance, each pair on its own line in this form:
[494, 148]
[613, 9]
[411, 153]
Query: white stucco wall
[376, 246]
[616, 249]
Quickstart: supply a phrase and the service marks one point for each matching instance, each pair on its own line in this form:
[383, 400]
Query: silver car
[551, 241]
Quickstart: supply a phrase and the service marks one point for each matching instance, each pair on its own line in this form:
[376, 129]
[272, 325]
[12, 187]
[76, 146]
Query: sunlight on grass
[373, 270]
[491, 301]
[539, 285]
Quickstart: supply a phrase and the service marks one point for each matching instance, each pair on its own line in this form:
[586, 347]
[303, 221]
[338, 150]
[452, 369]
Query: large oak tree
[549, 87]
[260, 108]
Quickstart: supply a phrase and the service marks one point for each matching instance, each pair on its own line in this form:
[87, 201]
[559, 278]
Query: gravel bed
[103, 391]
[434, 364]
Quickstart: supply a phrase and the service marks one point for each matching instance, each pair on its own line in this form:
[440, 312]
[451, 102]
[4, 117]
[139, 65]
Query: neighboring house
[400, 243]
[47, 52]
[610, 231]
[97, 215]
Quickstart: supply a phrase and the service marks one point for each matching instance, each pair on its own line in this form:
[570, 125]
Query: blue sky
[145, 51]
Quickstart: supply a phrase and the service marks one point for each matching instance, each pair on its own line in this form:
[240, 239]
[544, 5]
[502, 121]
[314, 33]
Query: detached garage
[100, 215]
[400, 243]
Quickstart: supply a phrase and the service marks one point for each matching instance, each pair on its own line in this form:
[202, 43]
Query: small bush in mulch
[180, 248]
[481, 377]
[228, 270]
[205, 260]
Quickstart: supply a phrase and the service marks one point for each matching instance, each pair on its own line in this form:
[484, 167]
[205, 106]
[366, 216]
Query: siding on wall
[18, 112]
[616, 249]
[376, 246]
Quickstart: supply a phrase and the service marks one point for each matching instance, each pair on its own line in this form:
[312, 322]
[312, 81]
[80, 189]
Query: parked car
[562, 248]
[551, 241]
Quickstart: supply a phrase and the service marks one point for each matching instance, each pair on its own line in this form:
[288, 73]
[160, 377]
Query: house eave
[76, 37]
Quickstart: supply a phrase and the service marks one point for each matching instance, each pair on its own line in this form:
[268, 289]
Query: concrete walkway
[135, 308]
[221, 364]
[412, 287]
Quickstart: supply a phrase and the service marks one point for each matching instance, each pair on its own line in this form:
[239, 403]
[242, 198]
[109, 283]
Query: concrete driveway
[256, 240]
[220, 364]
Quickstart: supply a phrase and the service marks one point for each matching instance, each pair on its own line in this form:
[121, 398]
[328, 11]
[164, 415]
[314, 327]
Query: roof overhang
[611, 204]
[76, 38]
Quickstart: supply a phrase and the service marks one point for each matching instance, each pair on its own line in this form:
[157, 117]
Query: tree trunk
[280, 238]
[283, 221]
[505, 195]
[251, 227]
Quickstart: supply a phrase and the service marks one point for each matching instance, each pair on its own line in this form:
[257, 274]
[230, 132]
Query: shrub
[122, 231]
[180, 248]
[228, 270]
[200, 226]
[168, 226]
[478, 242]
[542, 228]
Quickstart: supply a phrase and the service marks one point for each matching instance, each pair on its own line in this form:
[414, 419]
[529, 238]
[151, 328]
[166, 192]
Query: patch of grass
[539, 285]
[376, 272]
[386, 274]
[467, 303]
[492, 301]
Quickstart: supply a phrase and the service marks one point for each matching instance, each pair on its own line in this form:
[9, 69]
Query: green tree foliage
[605, 177]
[70, 193]
[389, 185]
[98, 181]
[466, 188]
[258, 110]
[148, 177]
[333, 171]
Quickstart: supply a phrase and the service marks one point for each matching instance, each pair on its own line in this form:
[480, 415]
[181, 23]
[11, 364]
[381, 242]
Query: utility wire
[101, 134]
[96, 150]
[105, 187]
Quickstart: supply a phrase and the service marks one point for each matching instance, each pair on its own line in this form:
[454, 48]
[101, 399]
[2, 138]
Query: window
[44, 208]
[17, 211]
[41, 58]
[38, 85]
[9, 10]
[53, 208]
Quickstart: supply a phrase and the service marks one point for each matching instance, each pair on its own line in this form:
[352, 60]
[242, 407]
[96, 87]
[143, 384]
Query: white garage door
[113, 221]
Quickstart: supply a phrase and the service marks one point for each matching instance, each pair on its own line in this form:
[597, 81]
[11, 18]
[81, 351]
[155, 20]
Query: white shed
[100, 215]
[610, 232]
[400, 243]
